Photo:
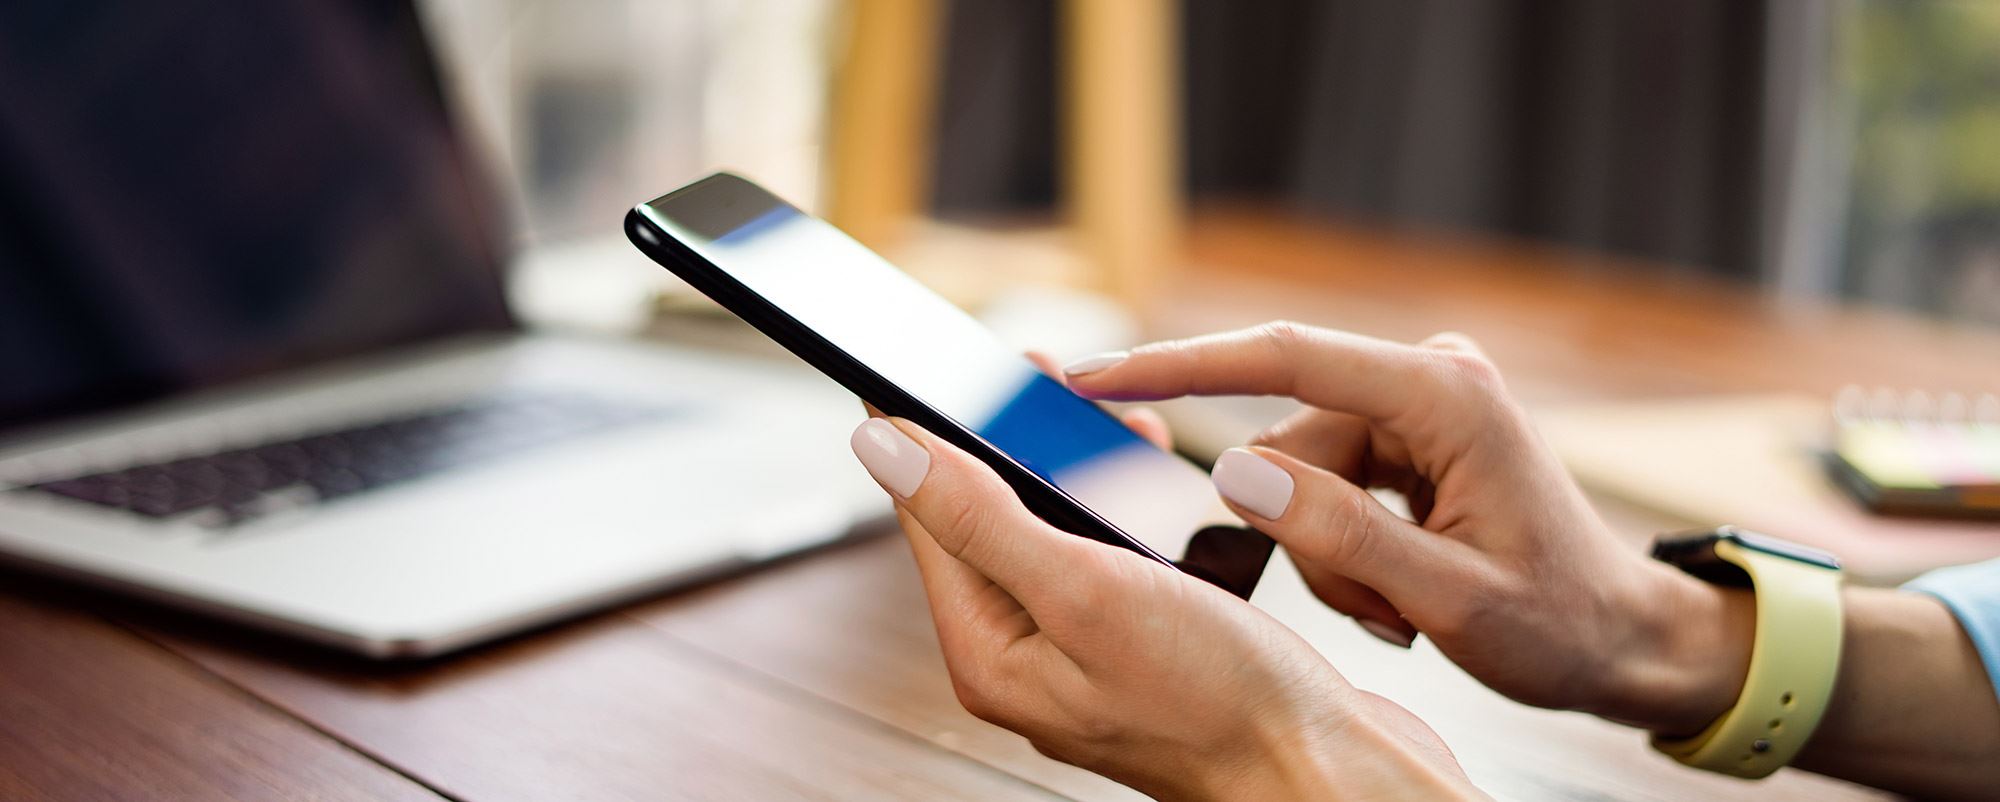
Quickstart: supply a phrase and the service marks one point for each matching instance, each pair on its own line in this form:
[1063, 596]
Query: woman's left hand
[1120, 665]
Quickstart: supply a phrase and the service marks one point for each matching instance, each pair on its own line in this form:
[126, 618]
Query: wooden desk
[821, 678]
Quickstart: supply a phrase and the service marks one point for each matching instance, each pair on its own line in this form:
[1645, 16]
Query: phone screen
[945, 358]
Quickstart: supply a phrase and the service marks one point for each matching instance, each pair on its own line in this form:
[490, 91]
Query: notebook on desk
[1754, 461]
[1903, 452]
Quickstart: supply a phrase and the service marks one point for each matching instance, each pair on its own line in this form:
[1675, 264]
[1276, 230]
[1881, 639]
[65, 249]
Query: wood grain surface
[820, 678]
[88, 710]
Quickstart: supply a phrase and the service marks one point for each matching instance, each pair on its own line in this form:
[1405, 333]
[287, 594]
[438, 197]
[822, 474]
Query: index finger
[1325, 368]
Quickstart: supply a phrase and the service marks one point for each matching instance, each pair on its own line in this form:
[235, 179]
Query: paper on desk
[1750, 460]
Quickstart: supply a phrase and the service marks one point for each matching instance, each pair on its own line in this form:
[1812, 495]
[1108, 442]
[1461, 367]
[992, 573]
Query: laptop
[256, 360]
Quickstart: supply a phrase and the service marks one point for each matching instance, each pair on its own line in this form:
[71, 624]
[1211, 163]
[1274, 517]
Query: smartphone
[849, 313]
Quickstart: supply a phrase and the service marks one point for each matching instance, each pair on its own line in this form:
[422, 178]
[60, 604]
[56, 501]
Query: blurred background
[1693, 235]
[1812, 149]
[1683, 229]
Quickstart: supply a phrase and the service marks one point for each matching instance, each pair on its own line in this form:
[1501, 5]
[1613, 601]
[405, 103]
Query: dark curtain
[1613, 124]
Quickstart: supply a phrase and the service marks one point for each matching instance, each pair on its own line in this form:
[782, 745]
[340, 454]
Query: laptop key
[228, 487]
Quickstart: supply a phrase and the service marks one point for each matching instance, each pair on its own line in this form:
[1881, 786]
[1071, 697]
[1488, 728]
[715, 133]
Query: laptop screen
[200, 191]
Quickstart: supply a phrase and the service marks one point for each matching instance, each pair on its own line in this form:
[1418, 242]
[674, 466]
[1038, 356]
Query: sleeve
[1972, 593]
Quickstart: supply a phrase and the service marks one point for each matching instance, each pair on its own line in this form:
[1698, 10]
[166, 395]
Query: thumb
[969, 510]
[1330, 523]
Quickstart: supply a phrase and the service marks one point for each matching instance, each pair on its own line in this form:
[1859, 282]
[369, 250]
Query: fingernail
[890, 456]
[1093, 364]
[1388, 633]
[1254, 482]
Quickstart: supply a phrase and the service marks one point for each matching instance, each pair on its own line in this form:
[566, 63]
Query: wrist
[1349, 754]
[1688, 656]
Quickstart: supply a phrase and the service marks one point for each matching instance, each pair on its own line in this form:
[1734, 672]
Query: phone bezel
[1041, 497]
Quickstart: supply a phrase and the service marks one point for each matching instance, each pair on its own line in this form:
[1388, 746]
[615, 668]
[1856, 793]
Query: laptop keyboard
[225, 488]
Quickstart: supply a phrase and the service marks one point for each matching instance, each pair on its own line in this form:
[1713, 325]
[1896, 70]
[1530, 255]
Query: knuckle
[1451, 620]
[1467, 370]
[1103, 585]
[966, 666]
[1468, 610]
[1284, 335]
[1453, 340]
[1285, 342]
[1093, 579]
[1473, 365]
[974, 698]
[1051, 751]
[981, 691]
[966, 523]
[1355, 527]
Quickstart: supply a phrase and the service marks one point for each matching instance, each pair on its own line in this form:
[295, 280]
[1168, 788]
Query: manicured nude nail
[1093, 364]
[891, 456]
[1254, 482]
[1388, 633]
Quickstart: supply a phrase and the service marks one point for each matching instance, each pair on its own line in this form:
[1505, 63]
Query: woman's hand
[1507, 568]
[1109, 661]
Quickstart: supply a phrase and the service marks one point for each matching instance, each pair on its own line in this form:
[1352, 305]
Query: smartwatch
[1795, 655]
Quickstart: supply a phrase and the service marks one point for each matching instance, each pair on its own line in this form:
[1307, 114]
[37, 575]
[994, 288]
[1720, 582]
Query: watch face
[1781, 548]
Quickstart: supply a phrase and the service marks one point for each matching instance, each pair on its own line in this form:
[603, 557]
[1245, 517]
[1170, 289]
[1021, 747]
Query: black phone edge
[1048, 502]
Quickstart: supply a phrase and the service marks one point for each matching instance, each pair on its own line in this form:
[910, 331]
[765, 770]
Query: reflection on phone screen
[936, 352]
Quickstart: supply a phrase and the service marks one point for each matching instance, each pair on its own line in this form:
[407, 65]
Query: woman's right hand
[1506, 568]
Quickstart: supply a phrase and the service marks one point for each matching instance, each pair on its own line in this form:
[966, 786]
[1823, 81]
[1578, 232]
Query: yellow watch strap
[1793, 664]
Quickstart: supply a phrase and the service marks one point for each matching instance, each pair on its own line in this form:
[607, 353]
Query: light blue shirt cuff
[1972, 593]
